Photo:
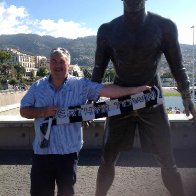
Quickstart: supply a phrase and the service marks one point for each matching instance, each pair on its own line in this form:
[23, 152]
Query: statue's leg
[119, 136]
[155, 137]
[170, 174]
[106, 174]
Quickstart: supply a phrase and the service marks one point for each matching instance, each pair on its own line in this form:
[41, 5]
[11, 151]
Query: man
[134, 42]
[56, 162]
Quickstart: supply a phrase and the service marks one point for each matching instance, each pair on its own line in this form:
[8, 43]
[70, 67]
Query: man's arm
[37, 112]
[115, 91]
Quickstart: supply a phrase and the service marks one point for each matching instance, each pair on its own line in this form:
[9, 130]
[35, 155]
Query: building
[75, 70]
[29, 62]
[33, 63]
[41, 61]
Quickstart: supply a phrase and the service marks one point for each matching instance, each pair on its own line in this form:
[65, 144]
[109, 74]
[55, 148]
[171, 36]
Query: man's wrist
[41, 113]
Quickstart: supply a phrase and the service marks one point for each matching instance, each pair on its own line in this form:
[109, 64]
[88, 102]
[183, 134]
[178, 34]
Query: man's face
[133, 5]
[59, 65]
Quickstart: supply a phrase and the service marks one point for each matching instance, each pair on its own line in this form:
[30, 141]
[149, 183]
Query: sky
[79, 18]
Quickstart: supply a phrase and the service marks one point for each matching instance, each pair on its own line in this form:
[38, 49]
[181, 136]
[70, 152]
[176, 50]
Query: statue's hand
[189, 107]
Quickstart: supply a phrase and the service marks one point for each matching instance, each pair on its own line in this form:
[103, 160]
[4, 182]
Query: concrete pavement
[137, 173]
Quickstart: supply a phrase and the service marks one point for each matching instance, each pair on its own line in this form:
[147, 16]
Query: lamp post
[193, 90]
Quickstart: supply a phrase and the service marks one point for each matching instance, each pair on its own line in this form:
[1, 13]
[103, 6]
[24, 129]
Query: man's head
[133, 5]
[62, 52]
[59, 62]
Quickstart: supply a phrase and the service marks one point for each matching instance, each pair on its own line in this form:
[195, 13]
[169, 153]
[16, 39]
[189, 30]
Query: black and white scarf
[88, 112]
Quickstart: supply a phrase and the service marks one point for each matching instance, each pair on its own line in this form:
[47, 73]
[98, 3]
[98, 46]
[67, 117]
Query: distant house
[33, 63]
[41, 61]
[27, 61]
[75, 70]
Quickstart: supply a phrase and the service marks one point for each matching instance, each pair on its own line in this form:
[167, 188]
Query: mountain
[82, 49]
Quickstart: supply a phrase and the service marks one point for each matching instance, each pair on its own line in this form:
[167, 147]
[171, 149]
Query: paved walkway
[137, 173]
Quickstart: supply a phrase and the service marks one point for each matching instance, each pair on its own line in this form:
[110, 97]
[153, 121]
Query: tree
[20, 71]
[109, 75]
[75, 73]
[5, 69]
[42, 71]
[5, 66]
[13, 82]
[4, 56]
[167, 75]
[87, 73]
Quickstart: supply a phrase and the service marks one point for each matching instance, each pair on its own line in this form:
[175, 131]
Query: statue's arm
[172, 51]
[173, 55]
[102, 54]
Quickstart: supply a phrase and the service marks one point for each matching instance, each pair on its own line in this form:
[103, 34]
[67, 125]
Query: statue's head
[133, 5]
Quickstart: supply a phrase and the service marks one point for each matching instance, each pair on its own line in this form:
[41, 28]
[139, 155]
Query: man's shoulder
[75, 80]
[41, 82]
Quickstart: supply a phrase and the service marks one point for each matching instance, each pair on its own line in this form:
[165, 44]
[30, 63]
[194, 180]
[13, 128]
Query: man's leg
[66, 166]
[42, 176]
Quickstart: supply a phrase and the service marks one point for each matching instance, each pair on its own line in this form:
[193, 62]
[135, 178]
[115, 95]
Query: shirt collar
[50, 81]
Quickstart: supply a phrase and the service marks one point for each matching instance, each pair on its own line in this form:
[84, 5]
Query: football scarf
[88, 112]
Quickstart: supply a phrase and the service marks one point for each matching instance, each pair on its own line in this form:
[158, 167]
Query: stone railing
[18, 133]
[10, 97]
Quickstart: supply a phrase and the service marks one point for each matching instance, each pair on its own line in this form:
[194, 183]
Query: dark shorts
[50, 169]
[152, 124]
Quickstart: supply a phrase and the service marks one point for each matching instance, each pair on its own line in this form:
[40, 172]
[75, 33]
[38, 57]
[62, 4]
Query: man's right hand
[48, 111]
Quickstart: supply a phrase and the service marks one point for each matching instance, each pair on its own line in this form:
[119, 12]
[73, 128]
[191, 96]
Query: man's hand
[190, 108]
[48, 111]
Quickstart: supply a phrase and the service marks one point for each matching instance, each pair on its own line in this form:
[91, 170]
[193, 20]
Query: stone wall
[20, 134]
[12, 97]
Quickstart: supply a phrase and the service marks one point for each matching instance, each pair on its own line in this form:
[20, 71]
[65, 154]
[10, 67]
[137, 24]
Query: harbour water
[174, 101]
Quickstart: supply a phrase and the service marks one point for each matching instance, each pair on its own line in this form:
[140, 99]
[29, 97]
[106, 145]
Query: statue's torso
[135, 54]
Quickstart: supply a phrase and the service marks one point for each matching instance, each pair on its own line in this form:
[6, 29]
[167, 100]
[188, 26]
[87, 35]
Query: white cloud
[15, 20]
[62, 28]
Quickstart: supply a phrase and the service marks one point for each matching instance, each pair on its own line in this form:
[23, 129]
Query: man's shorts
[152, 124]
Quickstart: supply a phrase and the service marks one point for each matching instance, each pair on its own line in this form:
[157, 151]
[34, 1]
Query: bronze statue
[135, 42]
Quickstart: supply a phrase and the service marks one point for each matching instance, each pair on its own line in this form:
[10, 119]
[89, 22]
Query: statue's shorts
[153, 127]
